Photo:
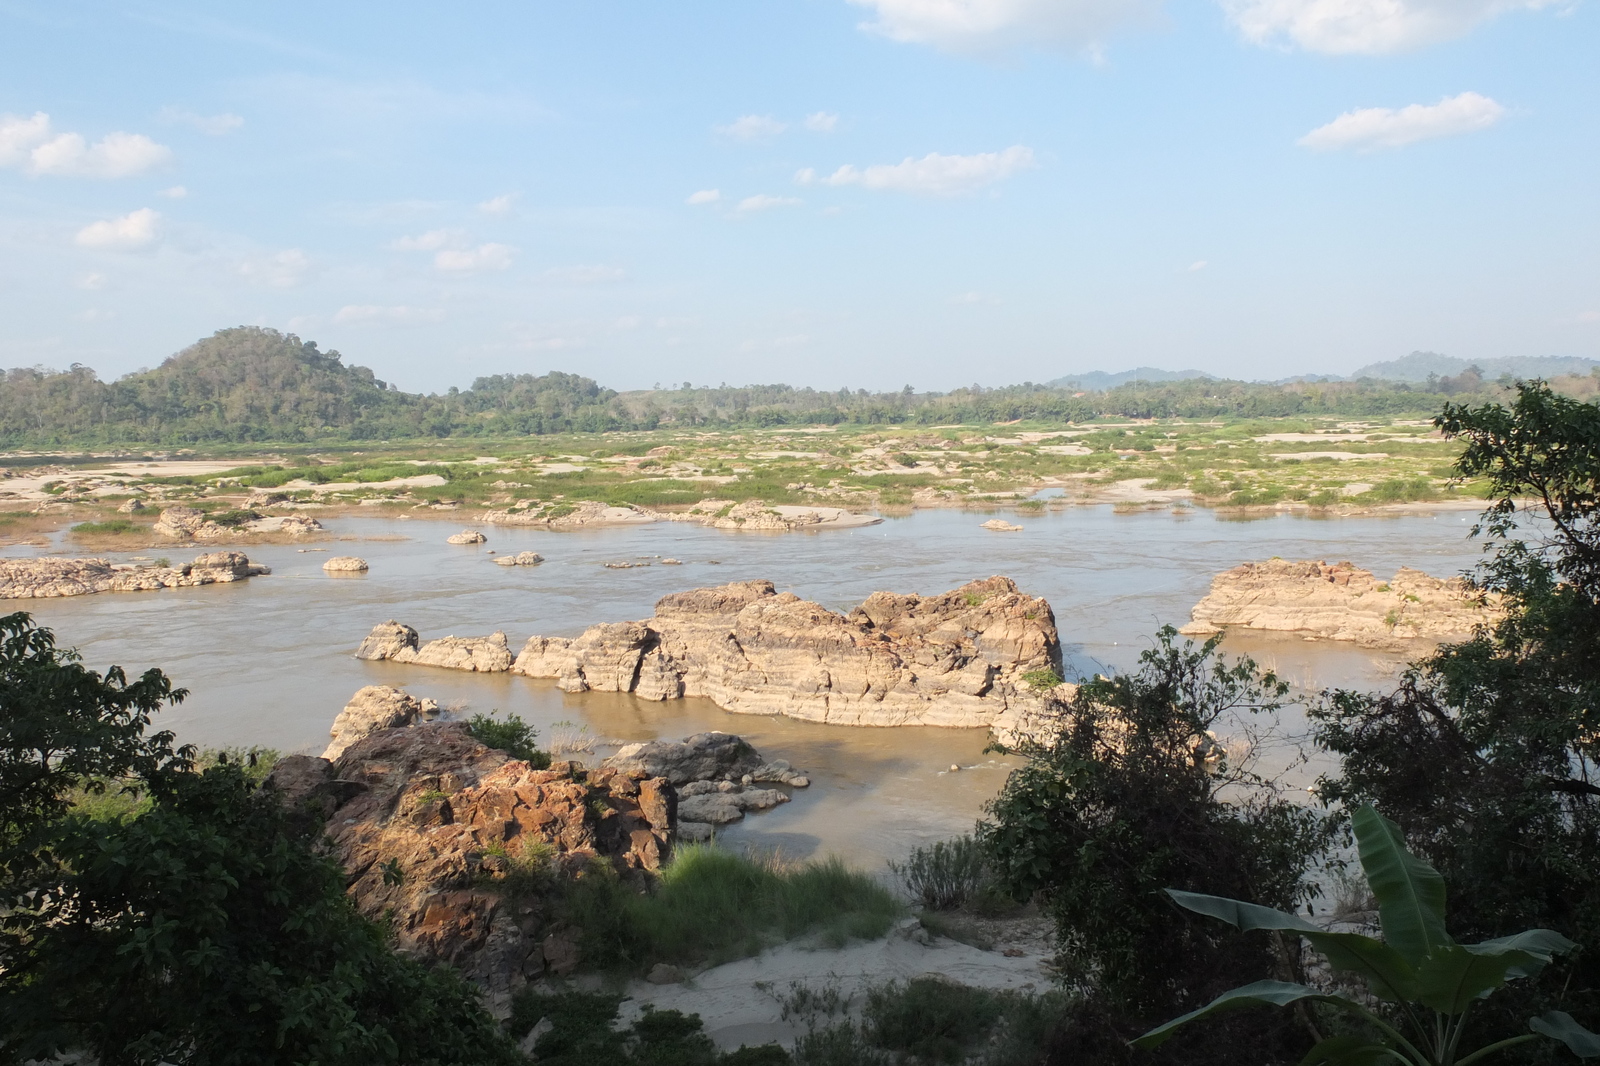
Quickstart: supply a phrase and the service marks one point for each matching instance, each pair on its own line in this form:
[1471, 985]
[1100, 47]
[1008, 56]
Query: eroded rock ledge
[1339, 602]
[960, 659]
[751, 515]
[52, 577]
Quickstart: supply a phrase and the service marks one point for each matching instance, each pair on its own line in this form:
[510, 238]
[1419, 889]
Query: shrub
[110, 527]
[583, 1032]
[945, 875]
[1041, 680]
[511, 735]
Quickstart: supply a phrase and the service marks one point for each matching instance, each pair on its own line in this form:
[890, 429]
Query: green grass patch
[111, 527]
[712, 906]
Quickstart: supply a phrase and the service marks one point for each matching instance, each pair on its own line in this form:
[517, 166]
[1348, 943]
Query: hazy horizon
[841, 192]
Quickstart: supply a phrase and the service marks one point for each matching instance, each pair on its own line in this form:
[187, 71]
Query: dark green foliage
[1133, 796]
[511, 735]
[110, 527]
[200, 927]
[712, 906]
[231, 519]
[583, 1032]
[1487, 752]
[946, 874]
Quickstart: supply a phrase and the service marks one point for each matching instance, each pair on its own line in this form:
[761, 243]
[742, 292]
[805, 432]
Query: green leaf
[1559, 1025]
[1452, 977]
[1346, 1051]
[1543, 944]
[1410, 892]
[1240, 914]
[1388, 974]
[1260, 993]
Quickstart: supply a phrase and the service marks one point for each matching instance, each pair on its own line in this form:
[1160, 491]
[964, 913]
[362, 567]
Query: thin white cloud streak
[821, 121]
[1369, 129]
[211, 125]
[988, 26]
[763, 202]
[474, 260]
[704, 196]
[1365, 27]
[133, 231]
[431, 241]
[177, 192]
[753, 128]
[279, 270]
[32, 146]
[932, 175]
[401, 315]
[498, 205]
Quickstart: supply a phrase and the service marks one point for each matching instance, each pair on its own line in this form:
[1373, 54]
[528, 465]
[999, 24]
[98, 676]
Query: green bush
[712, 906]
[583, 1032]
[110, 527]
[511, 735]
[945, 875]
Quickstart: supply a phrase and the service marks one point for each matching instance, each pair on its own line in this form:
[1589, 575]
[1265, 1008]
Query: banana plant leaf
[1410, 893]
[1559, 1025]
[1543, 944]
[1260, 993]
[1347, 1051]
[1450, 978]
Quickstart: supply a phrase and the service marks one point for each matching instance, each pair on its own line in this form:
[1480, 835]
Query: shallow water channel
[268, 661]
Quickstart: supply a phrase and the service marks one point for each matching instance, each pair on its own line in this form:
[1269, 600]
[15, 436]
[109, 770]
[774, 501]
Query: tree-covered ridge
[251, 384]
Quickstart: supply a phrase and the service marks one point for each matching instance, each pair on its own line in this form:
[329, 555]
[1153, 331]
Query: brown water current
[268, 661]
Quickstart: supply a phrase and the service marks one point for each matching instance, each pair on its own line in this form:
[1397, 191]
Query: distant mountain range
[1415, 367]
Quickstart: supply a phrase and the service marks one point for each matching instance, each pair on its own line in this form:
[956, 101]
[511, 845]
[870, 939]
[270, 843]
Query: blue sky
[825, 192]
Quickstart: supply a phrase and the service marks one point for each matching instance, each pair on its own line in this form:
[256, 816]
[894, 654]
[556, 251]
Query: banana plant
[1431, 980]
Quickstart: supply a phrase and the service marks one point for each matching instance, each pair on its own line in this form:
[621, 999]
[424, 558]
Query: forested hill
[250, 384]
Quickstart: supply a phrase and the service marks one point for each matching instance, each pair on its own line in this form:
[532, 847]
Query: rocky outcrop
[183, 523]
[714, 774]
[587, 514]
[1338, 602]
[756, 516]
[953, 660]
[187, 523]
[467, 536]
[1001, 526]
[345, 564]
[399, 643]
[520, 559]
[456, 846]
[51, 577]
[371, 709]
[133, 506]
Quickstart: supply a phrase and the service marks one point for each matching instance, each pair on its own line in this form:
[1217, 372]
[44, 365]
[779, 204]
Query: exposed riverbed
[268, 661]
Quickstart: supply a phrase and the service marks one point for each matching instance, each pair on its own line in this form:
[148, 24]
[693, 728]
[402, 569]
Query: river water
[268, 661]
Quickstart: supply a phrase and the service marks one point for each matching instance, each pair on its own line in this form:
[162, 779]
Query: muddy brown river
[268, 661]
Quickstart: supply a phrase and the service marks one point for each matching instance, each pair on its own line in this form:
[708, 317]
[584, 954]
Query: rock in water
[345, 564]
[387, 640]
[180, 522]
[369, 710]
[428, 823]
[521, 559]
[467, 536]
[1339, 602]
[1001, 526]
[133, 506]
[702, 757]
[49, 578]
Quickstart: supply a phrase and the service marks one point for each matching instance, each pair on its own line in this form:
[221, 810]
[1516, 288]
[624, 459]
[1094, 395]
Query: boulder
[345, 564]
[521, 559]
[1000, 526]
[484, 655]
[467, 536]
[181, 523]
[587, 513]
[471, 833]
[1340, 602]
[371, 709]
[133, 506]
[49, 578]
[387, 640]
[266, 498]
[701, 757]
[298, 525]
[958, 659]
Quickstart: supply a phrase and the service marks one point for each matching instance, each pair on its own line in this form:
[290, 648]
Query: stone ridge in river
[53, 577]
[399, 643]
[952, 660]
[1338, 602]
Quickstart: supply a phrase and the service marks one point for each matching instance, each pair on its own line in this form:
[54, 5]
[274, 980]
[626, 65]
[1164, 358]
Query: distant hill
[1418, 365]
[1100, 381]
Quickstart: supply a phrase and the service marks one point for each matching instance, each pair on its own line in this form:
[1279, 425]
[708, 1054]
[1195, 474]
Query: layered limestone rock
[520, 559]
[1001, 526]
[467, 536]
[1339, 602]
[133, 506]
[187, 523]
[714, 774]
[400, 643]
[371, 709]
[345, 564]
[51, 577]
[953, 660]
[587, 514]
[755, 516]
[454, 845]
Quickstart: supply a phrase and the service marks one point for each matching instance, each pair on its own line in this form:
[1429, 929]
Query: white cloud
[1365, 26]
[762, 202]
[980, 26]
[362, 314]
[704, 196]
[470, 260]
[975, 298]
[30, 145]
[279, 270]
[92, 281]
[933, 174]
[213, 125]
[177, 192]
[132, 231]
[821, 121]
[498, 205]
[1589, 316]
[753, 128]
[1370, 128]
[585, 275]
[1198, 264]
[431, 241]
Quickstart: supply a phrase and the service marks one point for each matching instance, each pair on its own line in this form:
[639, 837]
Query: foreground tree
[203, 929]
[1134, 794]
